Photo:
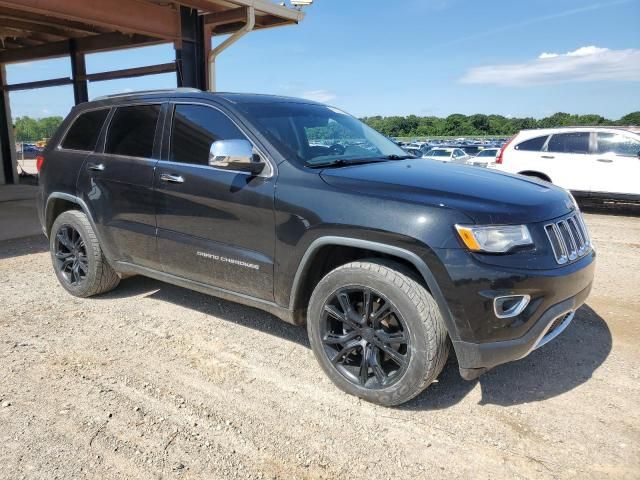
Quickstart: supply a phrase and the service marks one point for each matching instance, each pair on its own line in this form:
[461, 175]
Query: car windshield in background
[438, 153]
[488, 153]
[316, 135]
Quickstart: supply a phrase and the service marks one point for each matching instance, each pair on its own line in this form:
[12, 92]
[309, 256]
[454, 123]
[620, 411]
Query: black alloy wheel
[71, 255]
[364, 337]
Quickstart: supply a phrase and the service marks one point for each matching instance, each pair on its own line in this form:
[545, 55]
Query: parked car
[600, 162]
[484, 157]
[415, 152]
[389, 260]
[453, 155]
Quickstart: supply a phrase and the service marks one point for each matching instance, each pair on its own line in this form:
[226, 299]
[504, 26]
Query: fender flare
[85, 209]
[391, 250]
[69, 198]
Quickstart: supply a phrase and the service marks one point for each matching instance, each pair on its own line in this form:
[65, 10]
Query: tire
[413, 318]
[80, 246]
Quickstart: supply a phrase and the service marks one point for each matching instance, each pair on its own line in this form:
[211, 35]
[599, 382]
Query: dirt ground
[155, 381]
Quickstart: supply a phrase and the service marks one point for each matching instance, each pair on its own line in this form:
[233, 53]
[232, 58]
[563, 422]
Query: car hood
[487, 196]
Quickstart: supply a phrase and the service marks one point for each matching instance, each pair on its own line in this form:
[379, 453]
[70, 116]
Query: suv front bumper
[476, 358]
[484, 341]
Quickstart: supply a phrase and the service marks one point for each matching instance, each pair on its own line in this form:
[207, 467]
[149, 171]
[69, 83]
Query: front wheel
[376, 332]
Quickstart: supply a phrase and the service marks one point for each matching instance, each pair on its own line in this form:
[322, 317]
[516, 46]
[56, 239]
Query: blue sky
[426, 57]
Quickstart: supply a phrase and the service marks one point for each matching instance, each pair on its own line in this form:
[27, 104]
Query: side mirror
[235, 155]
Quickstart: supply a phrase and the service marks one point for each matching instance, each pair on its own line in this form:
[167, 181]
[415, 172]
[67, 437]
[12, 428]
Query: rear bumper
[476, 358]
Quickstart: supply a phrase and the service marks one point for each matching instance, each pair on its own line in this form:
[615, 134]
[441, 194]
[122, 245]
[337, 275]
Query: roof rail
[148, 92]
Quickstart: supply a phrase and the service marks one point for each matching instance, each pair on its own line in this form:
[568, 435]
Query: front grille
[569, 238]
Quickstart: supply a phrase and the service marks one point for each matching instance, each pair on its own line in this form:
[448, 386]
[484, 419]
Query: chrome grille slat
[568, 238]
[572, 248]
[575, 230]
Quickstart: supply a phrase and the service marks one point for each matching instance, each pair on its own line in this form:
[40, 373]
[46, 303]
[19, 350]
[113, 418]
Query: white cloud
[321, 96]
[585, 64]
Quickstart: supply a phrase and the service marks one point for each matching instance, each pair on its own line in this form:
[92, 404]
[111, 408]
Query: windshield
[316, 134]
[438, 153]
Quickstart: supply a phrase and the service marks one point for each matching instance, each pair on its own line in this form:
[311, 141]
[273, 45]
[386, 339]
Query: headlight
[494, 238]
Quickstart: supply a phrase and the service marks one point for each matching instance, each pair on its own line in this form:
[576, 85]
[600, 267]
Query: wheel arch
[366, 247]
[59, 202]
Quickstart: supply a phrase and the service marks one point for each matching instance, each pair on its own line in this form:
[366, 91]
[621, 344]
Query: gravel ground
[155, 381]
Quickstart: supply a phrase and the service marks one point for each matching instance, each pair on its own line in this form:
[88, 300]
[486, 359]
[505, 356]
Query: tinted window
[85, 130]
[618, 144]
[532, 145]
[195, 128]
[575, 142]
[132, 130]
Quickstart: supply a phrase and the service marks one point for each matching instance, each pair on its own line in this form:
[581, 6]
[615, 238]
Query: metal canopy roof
[38, 29]
[35, 29]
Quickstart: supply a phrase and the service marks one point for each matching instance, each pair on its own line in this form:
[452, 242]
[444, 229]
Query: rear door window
[132, 131]
[573, 142]
[85, 130]
[618, 144]
[533, 144]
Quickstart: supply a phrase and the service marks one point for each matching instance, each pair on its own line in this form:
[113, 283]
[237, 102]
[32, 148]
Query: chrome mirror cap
[235, 155]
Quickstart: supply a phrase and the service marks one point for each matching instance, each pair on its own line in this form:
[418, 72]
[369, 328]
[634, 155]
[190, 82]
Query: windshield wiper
[398, 157]
[340, 162]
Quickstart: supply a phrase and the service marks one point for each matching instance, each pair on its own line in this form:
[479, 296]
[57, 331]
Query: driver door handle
[96, 166]
[166, 177]
[605, 160]
[548, 156]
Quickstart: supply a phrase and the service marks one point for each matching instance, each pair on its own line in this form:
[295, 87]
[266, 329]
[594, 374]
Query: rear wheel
[377, 332]
[77, 258]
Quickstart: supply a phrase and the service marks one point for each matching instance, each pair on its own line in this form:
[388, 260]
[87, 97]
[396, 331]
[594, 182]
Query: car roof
[581, 128]
[193, 93]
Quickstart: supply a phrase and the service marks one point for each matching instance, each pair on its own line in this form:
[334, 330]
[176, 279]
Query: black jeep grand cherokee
[301, 210]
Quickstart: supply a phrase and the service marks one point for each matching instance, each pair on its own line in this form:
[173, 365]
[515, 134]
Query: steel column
[78, 72]
[190, 58]
[7, 147]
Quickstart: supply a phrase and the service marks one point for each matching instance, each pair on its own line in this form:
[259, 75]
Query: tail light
[499, 157]
[39, 162]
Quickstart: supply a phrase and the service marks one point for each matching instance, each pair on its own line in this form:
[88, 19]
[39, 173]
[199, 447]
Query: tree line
[29, 129]
[485, 125]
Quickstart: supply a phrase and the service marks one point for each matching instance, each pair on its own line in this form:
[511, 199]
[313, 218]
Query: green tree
[631, 119]
[30, 129]
[487, 125]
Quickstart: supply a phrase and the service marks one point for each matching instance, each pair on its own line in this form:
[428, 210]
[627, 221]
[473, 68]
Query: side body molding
[391, 250]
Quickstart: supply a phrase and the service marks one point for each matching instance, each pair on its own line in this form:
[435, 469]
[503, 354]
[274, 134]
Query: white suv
[590, 161]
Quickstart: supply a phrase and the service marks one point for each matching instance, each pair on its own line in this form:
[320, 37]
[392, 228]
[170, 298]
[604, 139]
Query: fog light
[510, 305]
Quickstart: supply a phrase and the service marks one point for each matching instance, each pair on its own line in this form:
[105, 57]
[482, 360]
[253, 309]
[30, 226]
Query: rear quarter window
[533, 144]
[85, 130]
